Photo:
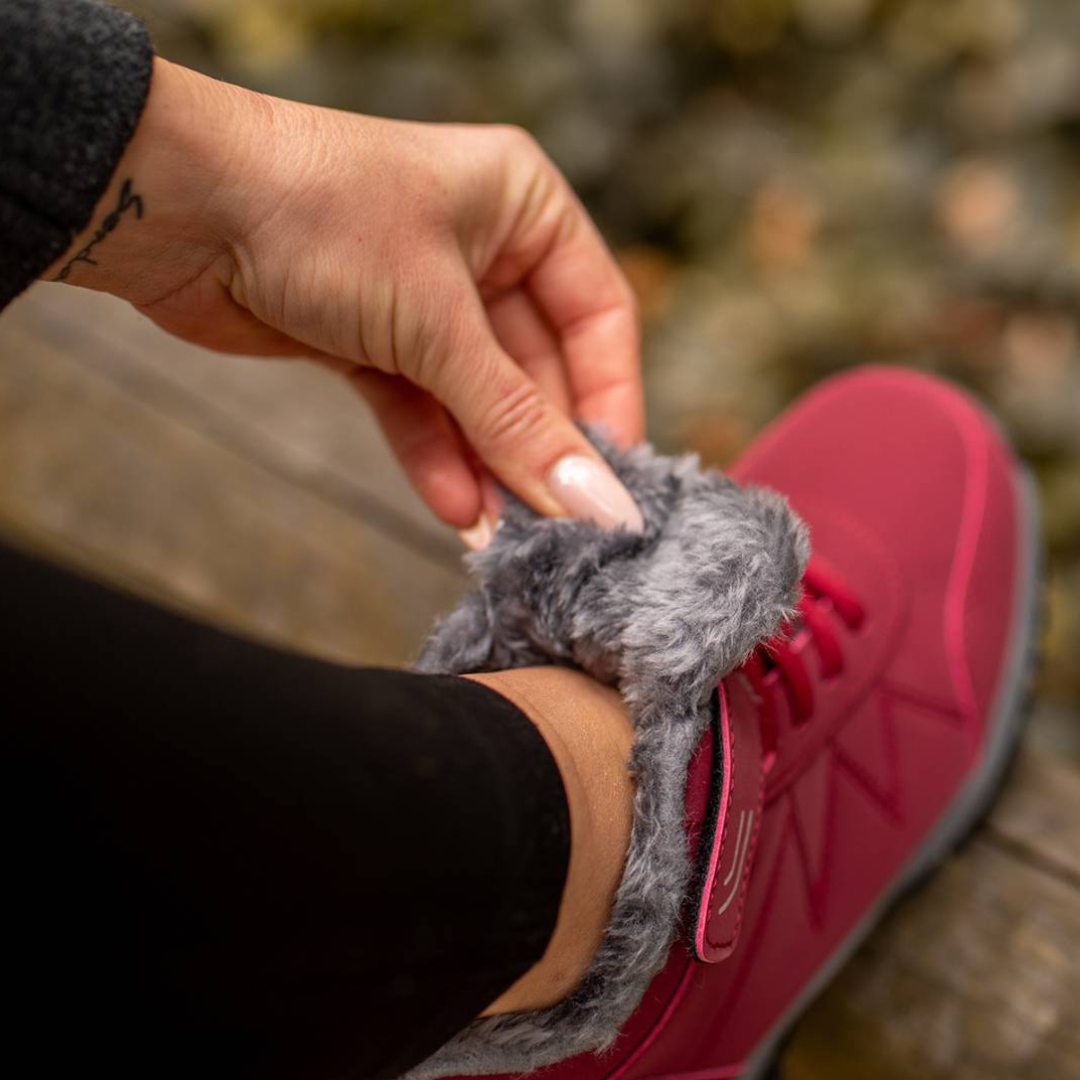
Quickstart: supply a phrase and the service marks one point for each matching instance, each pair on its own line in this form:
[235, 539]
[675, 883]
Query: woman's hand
[447, 271]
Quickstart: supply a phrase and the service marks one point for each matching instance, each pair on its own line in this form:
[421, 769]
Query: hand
[447, 271]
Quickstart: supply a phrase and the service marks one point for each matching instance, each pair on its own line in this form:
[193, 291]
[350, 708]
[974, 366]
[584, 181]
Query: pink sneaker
[863, 749]
[859, 749]
[866, 747]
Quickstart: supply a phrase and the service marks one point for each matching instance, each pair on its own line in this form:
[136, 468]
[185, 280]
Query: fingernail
[590, 491]
[478, 536]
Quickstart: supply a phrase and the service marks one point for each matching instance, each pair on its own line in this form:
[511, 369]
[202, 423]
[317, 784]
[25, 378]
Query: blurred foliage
[793, 186]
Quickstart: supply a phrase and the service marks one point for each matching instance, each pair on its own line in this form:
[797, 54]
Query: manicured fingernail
[478, 536]
[590, 491]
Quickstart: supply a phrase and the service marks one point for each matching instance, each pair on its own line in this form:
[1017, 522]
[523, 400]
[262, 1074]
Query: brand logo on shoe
[742, 846]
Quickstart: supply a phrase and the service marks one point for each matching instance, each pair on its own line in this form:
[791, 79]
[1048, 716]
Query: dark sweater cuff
[74, 76]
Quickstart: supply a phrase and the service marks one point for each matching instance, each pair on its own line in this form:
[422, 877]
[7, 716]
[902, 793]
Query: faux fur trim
[663, 616]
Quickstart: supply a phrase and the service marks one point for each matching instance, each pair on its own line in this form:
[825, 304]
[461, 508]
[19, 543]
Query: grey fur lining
[663, 616]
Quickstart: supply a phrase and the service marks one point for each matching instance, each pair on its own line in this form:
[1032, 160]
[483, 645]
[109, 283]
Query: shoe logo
[742, 846]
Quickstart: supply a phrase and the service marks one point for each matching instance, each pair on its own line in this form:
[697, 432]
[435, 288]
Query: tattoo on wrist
[128, 201]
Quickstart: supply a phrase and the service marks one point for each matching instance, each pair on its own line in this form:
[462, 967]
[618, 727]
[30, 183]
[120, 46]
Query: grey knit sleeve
[74, 75]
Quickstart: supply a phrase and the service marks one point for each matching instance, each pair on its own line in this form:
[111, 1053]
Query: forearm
[73, 80]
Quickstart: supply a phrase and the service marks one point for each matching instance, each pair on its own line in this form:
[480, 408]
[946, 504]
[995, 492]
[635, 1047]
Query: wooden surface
[259, 495]
[255, 492]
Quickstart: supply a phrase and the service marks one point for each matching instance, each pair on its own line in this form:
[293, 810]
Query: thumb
[521, 436]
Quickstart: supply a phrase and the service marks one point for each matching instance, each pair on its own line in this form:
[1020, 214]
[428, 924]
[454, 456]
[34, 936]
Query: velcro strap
[728, 844]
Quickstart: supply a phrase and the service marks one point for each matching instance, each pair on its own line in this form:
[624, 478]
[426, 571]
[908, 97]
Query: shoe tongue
[724, 797]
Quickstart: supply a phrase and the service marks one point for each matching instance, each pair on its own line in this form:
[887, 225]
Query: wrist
[166, 215]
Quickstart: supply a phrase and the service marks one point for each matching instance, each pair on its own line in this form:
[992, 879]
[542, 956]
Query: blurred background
[793, 186]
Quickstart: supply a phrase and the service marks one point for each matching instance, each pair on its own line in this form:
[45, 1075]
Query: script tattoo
[128, 201]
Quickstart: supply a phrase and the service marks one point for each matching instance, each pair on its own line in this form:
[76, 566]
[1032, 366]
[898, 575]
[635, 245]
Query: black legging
[223, 860]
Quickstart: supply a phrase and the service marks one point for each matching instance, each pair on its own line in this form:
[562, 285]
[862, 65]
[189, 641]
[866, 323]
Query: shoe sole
[974, 798]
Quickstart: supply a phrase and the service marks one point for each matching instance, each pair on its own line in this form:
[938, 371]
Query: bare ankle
[588, 732]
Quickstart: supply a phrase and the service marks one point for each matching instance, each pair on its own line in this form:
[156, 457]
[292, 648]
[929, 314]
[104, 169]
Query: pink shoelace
[781, 661]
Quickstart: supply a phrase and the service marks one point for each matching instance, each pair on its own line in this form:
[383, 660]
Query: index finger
[585, 298]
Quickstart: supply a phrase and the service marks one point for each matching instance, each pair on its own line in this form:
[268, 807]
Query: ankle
[588, 732]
